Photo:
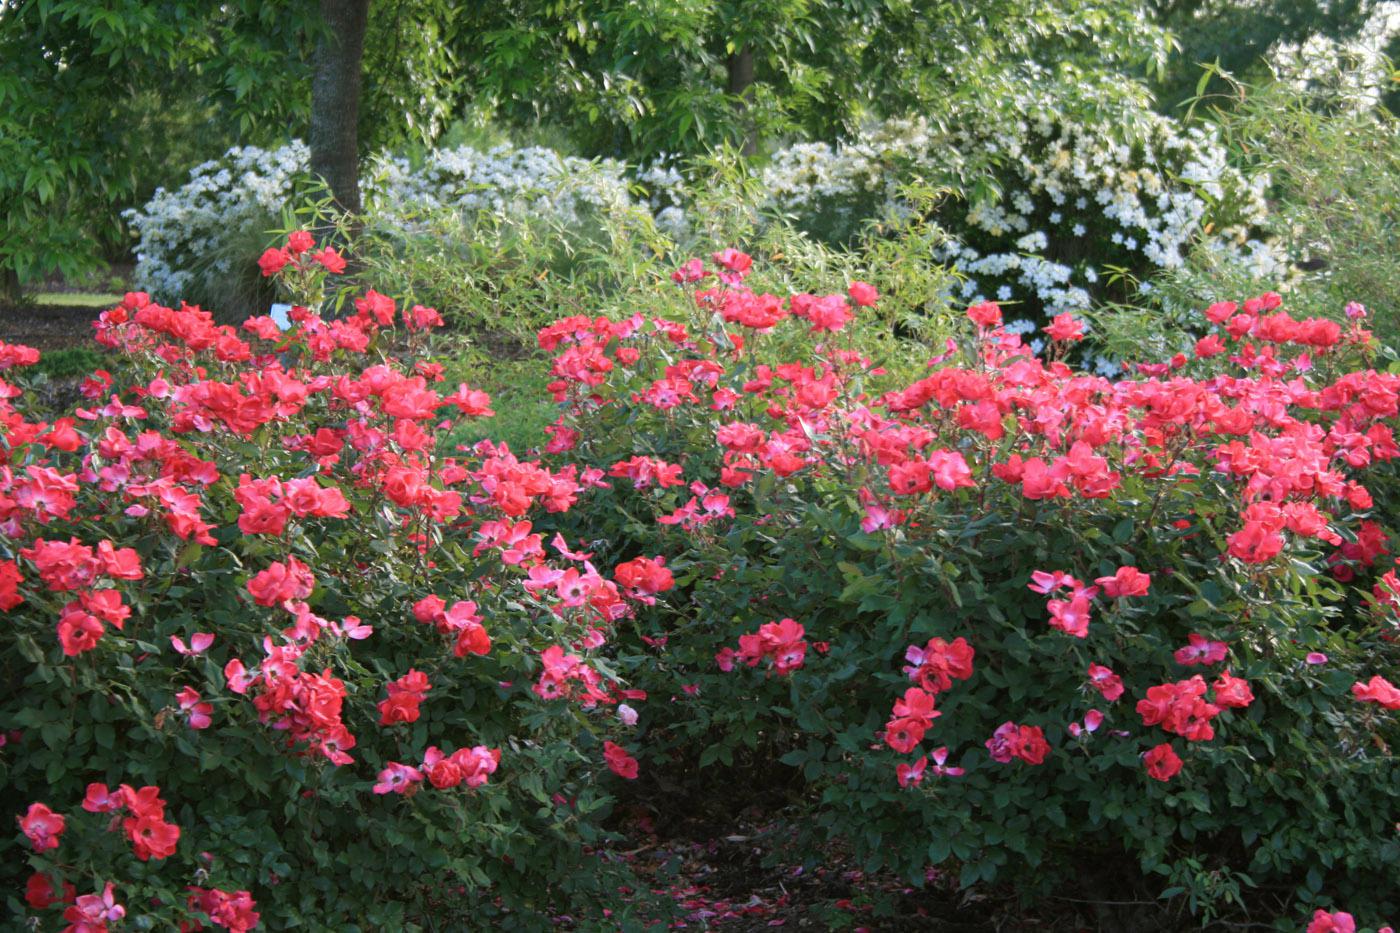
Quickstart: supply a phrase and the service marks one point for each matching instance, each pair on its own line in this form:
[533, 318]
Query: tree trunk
[10, 291]
[335, 100]
[740, 82]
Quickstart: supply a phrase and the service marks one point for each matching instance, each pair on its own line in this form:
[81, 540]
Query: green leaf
[105, 735]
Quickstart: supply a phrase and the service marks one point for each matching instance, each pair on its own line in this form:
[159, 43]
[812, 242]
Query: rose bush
[267, 624]
[1093, 636]
[285, 654]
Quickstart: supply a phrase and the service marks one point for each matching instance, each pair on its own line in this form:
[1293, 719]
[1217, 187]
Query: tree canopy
[102, 101]
[643, 77]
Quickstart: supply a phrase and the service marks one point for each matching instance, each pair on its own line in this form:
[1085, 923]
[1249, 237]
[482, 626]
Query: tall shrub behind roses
[1010, 616]
[250, 574]
[1064, 186]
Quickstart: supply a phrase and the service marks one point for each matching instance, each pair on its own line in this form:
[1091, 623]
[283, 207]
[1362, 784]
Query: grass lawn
[78, 299]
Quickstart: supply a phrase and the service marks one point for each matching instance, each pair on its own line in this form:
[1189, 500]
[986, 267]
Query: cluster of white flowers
[666, 199]
[1351, 73]
[186, 234]
[1132, 191]
[856, 179]
[535, 181]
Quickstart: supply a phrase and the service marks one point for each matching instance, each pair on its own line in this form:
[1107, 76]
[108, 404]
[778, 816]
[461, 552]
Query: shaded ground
[742, 881]
[58, 313]
[49, 327]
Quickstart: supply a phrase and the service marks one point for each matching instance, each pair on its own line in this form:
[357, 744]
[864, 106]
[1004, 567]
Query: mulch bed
[746, 877]
[731, 882]
[48, 327]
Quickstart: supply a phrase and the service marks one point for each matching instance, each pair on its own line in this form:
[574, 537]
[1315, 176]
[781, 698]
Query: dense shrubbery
[1335, 193]
[196, 240]
[1068, 195]
[993, 612]
[1334, 183]
[1058, 188]
[1353, 72]
[298, 637]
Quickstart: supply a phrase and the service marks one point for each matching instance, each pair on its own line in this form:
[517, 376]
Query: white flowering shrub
[195, 239]
[1049, 205]
[531, 180]
[1351, 74]
[666, 193]
[207, 231]
[830, 190]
